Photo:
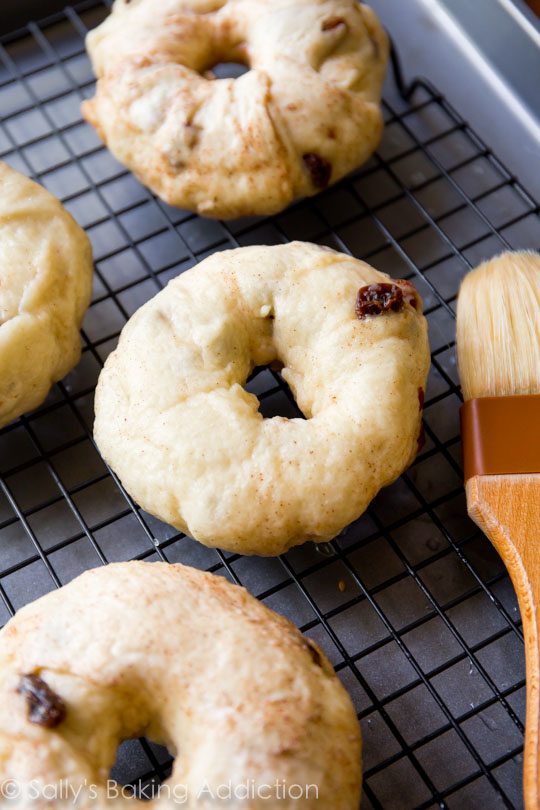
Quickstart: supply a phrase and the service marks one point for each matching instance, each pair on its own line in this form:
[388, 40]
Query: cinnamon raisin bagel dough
[192, 662]
[45, 286]
[187, 440]
[304, 115]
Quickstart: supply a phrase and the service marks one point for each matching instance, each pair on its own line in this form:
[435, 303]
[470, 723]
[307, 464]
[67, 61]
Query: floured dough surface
[45, 286]
[305, 114]
[174, 420]
[193, 662]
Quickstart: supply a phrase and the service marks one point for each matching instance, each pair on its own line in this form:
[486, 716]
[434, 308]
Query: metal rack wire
[411, 603]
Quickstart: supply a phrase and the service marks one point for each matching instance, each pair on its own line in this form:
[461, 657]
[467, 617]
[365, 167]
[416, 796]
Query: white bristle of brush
[498, 327]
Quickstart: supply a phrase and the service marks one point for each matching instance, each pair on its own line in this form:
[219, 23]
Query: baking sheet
[425, 634]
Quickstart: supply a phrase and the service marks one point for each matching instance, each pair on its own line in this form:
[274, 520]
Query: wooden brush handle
[507, 509]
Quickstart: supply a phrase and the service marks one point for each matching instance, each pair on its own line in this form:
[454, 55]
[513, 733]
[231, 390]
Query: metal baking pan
[411, 603]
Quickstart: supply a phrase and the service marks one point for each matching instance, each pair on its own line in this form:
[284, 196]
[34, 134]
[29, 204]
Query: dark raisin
[331, 23]
[421, 398]
[319, 168]
[45, 707]
[376, 299]
[410, 294]
[314, 652]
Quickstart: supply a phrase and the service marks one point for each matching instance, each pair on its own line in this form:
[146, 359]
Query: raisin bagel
[174, 420]
[190, 661]
[306, 113]
[45, 286]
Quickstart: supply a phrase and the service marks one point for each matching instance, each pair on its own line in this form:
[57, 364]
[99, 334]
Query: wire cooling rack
[411, 603]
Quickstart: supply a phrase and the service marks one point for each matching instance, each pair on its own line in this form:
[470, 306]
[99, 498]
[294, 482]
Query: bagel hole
[274, 395]
[140, 767]
[227, 70]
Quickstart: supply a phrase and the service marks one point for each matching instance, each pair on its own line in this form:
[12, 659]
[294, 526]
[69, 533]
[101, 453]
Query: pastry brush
[498, 341]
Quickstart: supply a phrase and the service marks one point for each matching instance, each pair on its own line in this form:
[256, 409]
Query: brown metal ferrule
[501, 435]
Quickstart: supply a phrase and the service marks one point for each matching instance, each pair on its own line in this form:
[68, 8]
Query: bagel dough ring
[187, 440]
[189, 660]
[307, 113]
[45, 287]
